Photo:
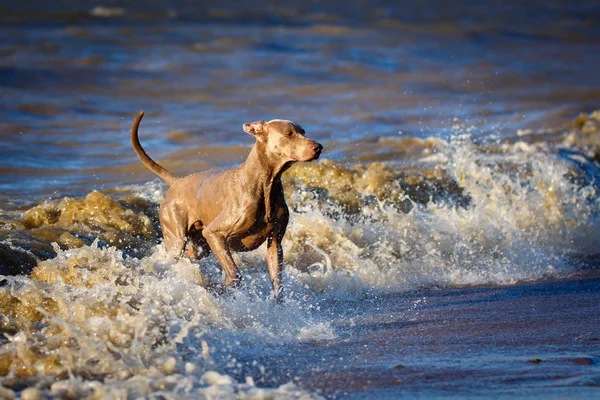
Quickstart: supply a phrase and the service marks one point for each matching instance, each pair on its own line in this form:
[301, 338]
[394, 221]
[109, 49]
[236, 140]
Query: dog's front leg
[217, 240]
[275, 265]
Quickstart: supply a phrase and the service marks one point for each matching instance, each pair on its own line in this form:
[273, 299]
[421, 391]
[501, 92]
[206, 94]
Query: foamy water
[461, 151]
[113, 325]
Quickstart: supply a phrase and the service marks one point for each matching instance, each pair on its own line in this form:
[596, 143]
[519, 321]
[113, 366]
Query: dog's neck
[266, 171]
[265, 168]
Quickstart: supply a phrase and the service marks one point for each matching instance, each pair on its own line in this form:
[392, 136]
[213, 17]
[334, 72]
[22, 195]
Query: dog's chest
[257, 235]
[259, 231]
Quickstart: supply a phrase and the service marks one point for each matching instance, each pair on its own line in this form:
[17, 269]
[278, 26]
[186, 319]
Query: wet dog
[237, 209]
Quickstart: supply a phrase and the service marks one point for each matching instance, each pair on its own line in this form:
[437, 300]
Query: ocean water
[445, 244]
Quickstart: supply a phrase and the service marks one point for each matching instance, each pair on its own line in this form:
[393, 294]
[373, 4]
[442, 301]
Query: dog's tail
[146, 160]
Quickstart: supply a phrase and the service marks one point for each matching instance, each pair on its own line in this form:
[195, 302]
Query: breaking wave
[101, 311]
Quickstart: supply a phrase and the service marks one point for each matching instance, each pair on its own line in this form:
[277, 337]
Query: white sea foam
[527, 211]
[124, 318]
[115, 326]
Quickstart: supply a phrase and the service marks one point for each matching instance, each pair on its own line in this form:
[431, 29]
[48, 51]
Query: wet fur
[237, 209]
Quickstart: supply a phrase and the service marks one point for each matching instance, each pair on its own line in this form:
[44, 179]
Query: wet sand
[527, 340]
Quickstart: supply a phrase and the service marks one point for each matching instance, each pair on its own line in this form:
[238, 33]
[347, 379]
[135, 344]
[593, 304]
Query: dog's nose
[317, 148]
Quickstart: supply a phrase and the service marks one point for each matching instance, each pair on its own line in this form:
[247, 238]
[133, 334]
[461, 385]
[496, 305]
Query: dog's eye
[289, 133]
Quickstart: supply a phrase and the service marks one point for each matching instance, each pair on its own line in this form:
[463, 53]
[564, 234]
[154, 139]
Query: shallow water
[446, 245]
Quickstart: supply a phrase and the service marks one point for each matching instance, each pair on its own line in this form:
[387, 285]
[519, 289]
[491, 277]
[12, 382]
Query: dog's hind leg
[175, 240]
[174, 227]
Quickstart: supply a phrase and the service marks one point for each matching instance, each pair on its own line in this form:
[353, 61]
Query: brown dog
[236, 209]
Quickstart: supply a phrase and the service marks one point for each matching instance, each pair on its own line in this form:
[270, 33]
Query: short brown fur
[237, 209]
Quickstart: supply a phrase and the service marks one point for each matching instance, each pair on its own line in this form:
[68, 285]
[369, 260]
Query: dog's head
[284, 139]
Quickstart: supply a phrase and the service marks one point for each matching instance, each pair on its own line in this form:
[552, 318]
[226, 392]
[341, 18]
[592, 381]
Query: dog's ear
[256, 128]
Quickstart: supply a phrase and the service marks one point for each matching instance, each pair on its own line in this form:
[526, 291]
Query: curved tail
[146, 160]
